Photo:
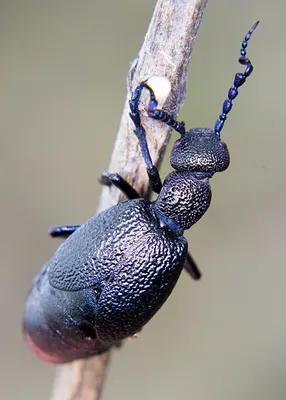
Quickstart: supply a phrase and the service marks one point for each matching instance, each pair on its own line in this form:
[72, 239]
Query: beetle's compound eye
[200, 150]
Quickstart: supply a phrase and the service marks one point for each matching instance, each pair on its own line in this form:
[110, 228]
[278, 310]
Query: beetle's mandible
[113, 273]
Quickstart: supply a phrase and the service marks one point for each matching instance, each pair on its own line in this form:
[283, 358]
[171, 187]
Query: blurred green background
[63, 70]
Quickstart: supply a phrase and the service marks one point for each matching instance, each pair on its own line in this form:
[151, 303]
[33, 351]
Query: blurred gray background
[62, 63]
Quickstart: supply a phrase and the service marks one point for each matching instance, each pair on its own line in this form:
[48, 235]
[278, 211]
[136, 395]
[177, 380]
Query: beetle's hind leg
[192, 268]
[108, 178]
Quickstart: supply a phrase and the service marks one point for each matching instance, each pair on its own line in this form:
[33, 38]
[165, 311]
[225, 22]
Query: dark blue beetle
[114, 272]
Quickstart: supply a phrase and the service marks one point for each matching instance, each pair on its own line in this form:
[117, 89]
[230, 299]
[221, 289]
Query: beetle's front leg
[152, 171]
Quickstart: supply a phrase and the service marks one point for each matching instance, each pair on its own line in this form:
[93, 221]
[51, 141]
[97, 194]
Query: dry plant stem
[165, 52]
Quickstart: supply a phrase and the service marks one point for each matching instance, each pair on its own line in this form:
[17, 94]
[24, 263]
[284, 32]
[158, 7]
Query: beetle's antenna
[239, 80]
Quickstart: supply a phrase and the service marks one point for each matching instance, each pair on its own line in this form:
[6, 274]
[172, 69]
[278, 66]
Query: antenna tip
[254, 26]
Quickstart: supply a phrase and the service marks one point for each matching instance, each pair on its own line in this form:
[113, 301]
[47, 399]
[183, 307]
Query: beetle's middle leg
[108, 178]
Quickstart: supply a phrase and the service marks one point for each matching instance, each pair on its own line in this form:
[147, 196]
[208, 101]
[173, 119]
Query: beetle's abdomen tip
[47, 357]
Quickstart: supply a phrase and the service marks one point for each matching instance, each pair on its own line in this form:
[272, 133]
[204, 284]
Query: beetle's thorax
[183, 200]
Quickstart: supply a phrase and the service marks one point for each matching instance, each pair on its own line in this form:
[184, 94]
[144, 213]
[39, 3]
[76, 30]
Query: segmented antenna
[239, 80]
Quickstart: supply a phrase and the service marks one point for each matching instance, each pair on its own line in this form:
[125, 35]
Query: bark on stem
[165, 52]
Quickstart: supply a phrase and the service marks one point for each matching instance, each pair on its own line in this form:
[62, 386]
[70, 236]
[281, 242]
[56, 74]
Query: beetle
[114, 272]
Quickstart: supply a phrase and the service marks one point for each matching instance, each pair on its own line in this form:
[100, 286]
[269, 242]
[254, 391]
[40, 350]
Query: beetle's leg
[162, 115]
[108, 178]
[152, 171]
[191, 267]
[62, 231]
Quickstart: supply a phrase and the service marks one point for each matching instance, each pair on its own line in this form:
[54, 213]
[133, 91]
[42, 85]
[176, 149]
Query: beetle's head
[200, 150]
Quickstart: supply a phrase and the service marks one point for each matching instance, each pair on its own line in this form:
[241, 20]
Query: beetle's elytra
[113, 273]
